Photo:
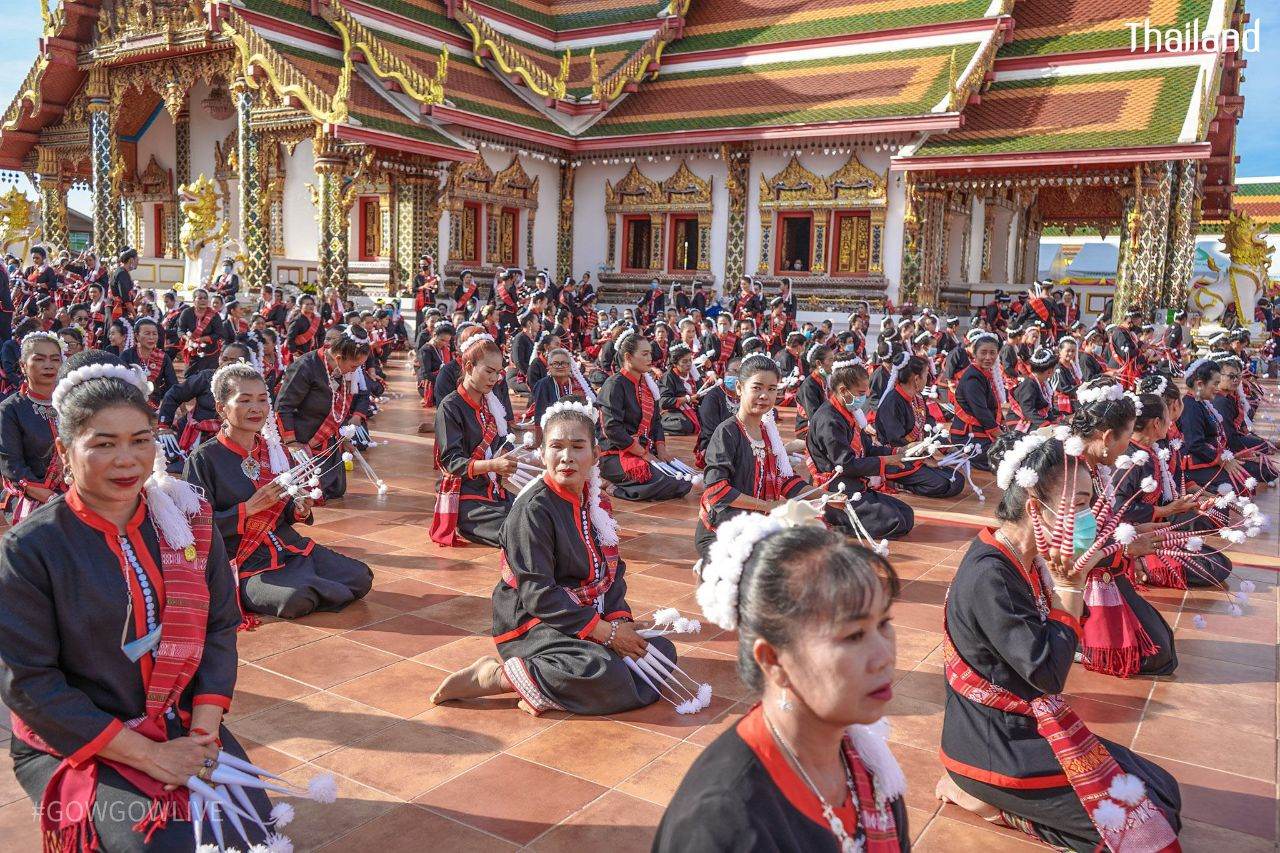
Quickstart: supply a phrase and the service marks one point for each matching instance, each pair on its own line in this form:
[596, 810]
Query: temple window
[665, 225]
[370, 228]
[851, 243]
[490, 211]
[637, 241]
[469, 224]
[684, 242]
[795, 243]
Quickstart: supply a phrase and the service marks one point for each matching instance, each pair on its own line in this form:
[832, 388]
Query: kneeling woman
[28, 427]
[633, 434]
[679, 394]
[471, 432]
[807, 768]
[901, 419]
[560, 615]
[838, 436]
[1014, 751]
[117, 632]
[979, 400]
[747, 468]
[281, 572]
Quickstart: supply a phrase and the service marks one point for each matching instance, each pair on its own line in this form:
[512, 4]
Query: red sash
[444, 520]
[66, 813]
[192, 431]
[194, 346]
[1087, 765]
[332, 422]
[306, 337]
[690, 410]
[18, 501]
[155, 365]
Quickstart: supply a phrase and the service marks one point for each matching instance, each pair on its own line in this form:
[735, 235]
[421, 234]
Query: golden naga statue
[1240, 284]
[19, 221]
[201, 226]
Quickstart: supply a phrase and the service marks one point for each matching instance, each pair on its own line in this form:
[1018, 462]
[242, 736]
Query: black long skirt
[322, 580]
[659, 488]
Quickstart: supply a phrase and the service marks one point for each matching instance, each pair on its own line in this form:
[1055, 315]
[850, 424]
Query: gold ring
[203, 774]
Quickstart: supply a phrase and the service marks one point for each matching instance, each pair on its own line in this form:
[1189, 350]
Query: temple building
[912, 150]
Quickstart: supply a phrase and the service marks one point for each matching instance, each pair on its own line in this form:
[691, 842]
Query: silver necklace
[847, 843]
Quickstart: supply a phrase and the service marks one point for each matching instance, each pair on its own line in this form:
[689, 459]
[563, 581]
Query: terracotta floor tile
[661, 717]
[915, 722]
[1225, 799]
[402, 688]
[405, 594]
[1201, 643]
[1205, 704]
[615, 822]
[495, 721]
[20, 826]
[471, 613]
[1221, 747]
[313, 725]
[406, 829]
[271, 760]
[316, 823]
[658, 780]
[456, 654]
[944, 835]
[917, 820]
[516, 800]
[10, 790]
[926, 684]
[704, 735]
[273, 637]
[1226, 676]
[327, 662]
[1197, 835]
[914, 645]
[258, 689]
[622, 749]
[710, 667]
[354, 615]
[407, 759]
[406, 635]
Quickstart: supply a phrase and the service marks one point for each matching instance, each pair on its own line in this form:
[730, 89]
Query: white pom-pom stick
[323, 788]
[1125, 533]
[1109, 814]
[1198, 621]
[1247, 586]
[282, 815]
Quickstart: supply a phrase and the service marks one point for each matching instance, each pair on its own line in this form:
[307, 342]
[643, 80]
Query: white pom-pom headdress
[1100, 393]
[1012, 461]
[717, 593]
[131, 375]
[583, 409]
[474, 339]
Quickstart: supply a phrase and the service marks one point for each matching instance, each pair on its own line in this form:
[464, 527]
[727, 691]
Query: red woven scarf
[444, 521]
[338, 411]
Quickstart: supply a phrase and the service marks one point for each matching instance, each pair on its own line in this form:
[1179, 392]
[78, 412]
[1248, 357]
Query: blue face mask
[933, 351]
[808, 334]
[859, 402]
[731, 382]
[1086, 530]
[850, 348]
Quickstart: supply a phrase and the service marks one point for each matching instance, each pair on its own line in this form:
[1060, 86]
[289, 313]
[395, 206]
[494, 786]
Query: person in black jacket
[1032, 399]
[678, 394]
[201, 423]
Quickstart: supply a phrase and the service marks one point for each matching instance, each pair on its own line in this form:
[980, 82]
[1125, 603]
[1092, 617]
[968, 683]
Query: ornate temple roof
[996, 81]
[1260, 198]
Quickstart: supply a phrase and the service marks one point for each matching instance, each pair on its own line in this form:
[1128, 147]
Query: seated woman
[1014, 751]
[1032, 401]
[562, 380]
[1204, 438]
[1066, 377]
[305, 333]
[807, 768]
[450, 373]
[31, 469]
[561, 620]
[901, 419]
[147, 353]
[117, 693]
[315, 401]
[979, 400]
[201, 423]
[714, 408]
[1166, 504]
[747, 467]
[839, 435]
[812, 392]
[1254, 452]
[678, 394]
[1123, 635]
[281, 572]
[471, 432]
[633, 434]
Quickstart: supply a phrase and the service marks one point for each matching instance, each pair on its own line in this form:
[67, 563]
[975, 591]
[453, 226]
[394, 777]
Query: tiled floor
[347, 693]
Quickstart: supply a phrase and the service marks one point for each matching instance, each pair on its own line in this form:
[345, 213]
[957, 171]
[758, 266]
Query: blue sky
[1258, 144]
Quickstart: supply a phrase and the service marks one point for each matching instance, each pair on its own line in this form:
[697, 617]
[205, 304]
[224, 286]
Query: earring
[784, 704]
[66, 478]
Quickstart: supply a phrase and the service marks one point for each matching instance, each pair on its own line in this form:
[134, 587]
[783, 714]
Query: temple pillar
[564, 225]
[933, 223]
[181, 177]
[821, 223]
[909, 281]
[330, 166]
[704, 242]
[416, 214]
[493, 235]
[1183, 227]
[1145, 241]
[966, 241]
[657, 242]
[529, 218]
[611, 250]
[252, 195]
[103, 185]
[53, 199]
[738, 161]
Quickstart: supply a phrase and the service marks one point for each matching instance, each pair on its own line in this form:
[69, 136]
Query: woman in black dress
[281, 572]
[808, 768]
[561, 381]
[1237, 424]
[812, 392]
[202, 333]
[471, 451]
[633, 434]
[979, 400]
[117, 632]
[1204, 438]
[561, 620]
[901, 420]
[305, 333]
[840, 436]
[146, 353]
[678, 394]
[1014, 751]
[317, 399]
[747, 467]
[28, 426]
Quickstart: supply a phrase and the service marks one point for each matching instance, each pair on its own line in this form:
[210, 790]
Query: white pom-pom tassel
[1224, 489]
[1250, 483]
[1195, 544]
[282, 814]
[1198, 621]
[1125, 533]
[323, 788]
[1128, 789]
[208, 848]
[1235, 610]
[277, 843]
[1227, 456]
[1141, 457]
[1109, 815]
[1124, 462]
[316, 494]
[1247, 586]
[1026, 478]
[347, 456]
[1073, 446]
[347, 431]
[1149, 484]
[1062, 432]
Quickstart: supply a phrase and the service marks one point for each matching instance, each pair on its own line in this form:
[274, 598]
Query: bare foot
[949, 792]
[426, 428]
[484, 677]
[528, 709]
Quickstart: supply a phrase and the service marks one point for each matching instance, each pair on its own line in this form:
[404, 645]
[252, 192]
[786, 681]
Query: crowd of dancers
[161, 460]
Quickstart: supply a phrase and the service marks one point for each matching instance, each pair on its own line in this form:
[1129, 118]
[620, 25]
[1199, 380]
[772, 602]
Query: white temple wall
[301, 234]
[158, 141]
[977, 225]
